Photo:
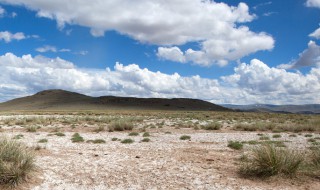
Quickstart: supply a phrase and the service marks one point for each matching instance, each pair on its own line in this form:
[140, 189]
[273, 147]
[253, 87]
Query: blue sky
[226, 51]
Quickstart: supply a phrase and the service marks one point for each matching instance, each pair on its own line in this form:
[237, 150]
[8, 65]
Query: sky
[222, 51]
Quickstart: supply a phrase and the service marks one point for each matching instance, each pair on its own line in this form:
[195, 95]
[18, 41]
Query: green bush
[146, 134]
[127, 141]
[145, 140]
[43, 141]
[185, 137]
[96, 141]
[16, 162]
[276, 136]
[59, 134]
[77, 138]
[235, 145]
[268, 160]
[133, 134]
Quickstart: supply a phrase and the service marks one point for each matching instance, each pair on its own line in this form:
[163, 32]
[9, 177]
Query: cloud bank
[250, 83]
[216, 27]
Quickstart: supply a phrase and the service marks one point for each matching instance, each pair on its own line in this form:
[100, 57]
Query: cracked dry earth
[204, 162]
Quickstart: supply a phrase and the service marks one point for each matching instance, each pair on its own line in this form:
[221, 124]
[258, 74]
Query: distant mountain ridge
[65, 100]
[302, 109]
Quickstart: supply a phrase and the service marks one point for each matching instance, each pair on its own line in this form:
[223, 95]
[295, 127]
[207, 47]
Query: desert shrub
[31, 129]
[145, 140]
[315, 156]
[59, 134]
[99, 129]
[268, 160]
[308, 135]
[312, 140]
[77, 138]
[264, 138]
[43, 141]
[133, 134]
[20, 136]
[185, 137]
[16, 162]
[114, 139]
[253, 142]
[246, 127]
[96, 141]
[276, 136]
[236, 145]
[146, 134]
[292, 135]
[212, 126]
[127, 141]
[121, 125]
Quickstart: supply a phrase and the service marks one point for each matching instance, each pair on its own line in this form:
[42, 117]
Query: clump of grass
[268, 160]
[264, 138]
[127, 141]
[246, 127]
[293, 135]
[145, 140]
[308, 135]
[276, 136]
[312, 140]
[146, 134]
[133, 134]
[167, 132]
[185, 137]
[16, 162]
[253, 142]
[315, 157]
[77, 138]
[31, 129]
[99, 129]
[212, 126]
[20, 136]
[96, 141]
[114, 139]
[43, 141]
[121, 125]
[236, 145]
[59, 134]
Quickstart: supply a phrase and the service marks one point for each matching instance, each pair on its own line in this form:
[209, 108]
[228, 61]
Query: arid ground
[157, 157]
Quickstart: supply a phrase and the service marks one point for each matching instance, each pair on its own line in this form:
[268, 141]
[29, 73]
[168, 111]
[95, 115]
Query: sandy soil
[204, 162]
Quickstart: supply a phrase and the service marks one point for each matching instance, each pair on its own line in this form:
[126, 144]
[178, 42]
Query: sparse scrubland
[197, 150]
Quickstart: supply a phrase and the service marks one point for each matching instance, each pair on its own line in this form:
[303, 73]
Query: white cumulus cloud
[216, 27]
[274, 84]
[2, 11]
[313, 3]
[8, 36]
[46, 48]
[315, 34]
